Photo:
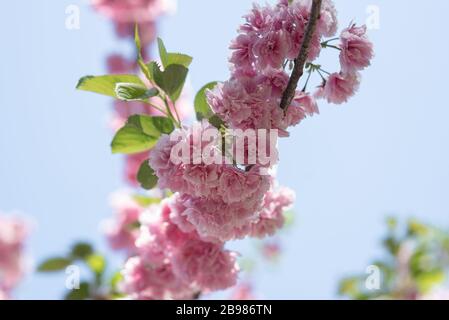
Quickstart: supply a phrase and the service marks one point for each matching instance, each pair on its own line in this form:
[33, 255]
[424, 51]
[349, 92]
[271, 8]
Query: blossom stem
[331, 46]
[307, 81]
[170, 114]
[157, 108]
[299, 62]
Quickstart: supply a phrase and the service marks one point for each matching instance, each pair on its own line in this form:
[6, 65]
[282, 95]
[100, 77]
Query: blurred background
[385, 152]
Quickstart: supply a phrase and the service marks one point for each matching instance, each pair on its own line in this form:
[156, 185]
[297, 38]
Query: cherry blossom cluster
[269, 40]
[174, 261]
[177, 244]
[183, 245]
[126, 13]
[13, 233]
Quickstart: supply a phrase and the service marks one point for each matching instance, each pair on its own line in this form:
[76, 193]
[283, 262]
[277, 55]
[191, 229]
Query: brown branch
[300, 61]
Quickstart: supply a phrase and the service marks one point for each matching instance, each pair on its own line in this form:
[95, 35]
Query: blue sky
[385, 152]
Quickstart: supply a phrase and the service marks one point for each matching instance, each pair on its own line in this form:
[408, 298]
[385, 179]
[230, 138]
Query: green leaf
[141, 133]
[216, 122]
[163, 54]
[428, 280]
[146, 176]
[171, 80]
[116, 278]
[106, 85]
[131, 140]
[349, 287]
[82, 293]
[153, 126]
[168, 59]
[145, 201]
[134, 92]
[179, 58]
[202, 108]
[54, 264]
[97, 263]
[81, 250]
[155, 72]
[140, 61]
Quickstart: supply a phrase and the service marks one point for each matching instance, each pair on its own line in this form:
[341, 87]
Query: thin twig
[299, 62]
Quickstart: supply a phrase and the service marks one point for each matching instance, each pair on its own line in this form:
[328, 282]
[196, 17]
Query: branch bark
[300, 61]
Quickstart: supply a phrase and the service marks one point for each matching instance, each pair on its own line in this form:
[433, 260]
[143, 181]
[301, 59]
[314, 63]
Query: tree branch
[300, 61]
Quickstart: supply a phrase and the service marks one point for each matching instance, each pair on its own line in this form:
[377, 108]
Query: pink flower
[237, 186]
[123, 229]
[243, 292]
[132, 166]
[147, 33]
[215, 220]
[258, 20]
[131, 10]
[142, 281]
[170, 175]
[303, 105]
[271, 217]
[271, 50]
[117, 64]
[328, 23]
[242, 54]
[277, 80]
[356, 50]
[341, 86]
[205, 264]
[13, 232]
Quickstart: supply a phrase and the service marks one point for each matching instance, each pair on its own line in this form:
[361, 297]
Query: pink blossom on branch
[356, 49]
[340, 87]
[13, 233]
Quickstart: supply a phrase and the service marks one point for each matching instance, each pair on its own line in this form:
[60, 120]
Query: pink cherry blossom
[356, 50]
[341, 86]
[328, 23]
[4, 295]
[271, 50]
[207, 265]
[118, 64]
[123, 229]
[243, 291]
[13, 233]
[131, 10]
[142, 281]
[271, 217]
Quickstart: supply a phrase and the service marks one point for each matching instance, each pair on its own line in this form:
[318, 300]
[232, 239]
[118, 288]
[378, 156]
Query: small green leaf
[155, 72]
[54, 264]
[131, 140]
[428, 280]
[179, 58]
[116, 278]
[106, 85]
[168, 59]
[97, 263]
[146, 176]
[81, 250]
[140, 62]
[141, 133]
[134, 92]
[153, 126]
[216, 122]
[145, 201]
[163, 124]
[202, 108]
[163, 54]
[172, 80]
[82, 293]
